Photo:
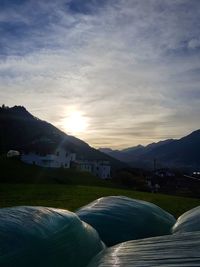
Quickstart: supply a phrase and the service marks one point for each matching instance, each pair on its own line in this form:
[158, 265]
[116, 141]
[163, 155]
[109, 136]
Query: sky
[126, 71]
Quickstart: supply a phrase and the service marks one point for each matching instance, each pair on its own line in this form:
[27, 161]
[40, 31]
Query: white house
[60, 159]
[65, 159]
[84, 165]
[13, 153]
[102, 169]
[99, 168]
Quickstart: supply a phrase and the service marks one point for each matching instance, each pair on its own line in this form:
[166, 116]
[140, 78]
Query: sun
[75, 123]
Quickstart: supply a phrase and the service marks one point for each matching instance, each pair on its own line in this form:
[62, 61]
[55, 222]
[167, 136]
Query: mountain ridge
[20, 130]
[179, 153]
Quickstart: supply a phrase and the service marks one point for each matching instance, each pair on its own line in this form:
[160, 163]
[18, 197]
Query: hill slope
[20, 130]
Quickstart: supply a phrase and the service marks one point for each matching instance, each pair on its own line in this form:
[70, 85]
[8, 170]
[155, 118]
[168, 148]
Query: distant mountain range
[20, 130]
[181, 153]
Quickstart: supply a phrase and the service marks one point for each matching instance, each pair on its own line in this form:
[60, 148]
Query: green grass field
[72, 197]
[22, 184]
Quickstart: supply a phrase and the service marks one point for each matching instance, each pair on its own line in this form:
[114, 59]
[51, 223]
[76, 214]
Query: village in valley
[65, 159]
[47, 147]
[158, 180]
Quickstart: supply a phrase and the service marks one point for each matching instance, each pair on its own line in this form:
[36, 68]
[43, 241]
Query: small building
[99, 168]
[59, 159]
[102, 169]
[84, 165]
[160, 179]
[13, 154]
[196, 174]
[162, 173]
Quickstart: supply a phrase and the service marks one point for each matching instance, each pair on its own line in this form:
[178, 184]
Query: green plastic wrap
[46, 237]
[118, 219]
[188, 222]
[165, 251]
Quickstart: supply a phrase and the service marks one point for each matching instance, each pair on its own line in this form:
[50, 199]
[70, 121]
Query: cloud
[194, 43]
[132, 67]
[85, 7]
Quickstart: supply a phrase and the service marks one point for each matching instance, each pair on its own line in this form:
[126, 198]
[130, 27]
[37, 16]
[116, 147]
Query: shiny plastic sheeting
[118, 219]
[165, 251]
[188, 222]
[39, 236]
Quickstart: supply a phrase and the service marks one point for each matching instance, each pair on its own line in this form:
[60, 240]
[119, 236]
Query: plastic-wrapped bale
[40, 236]
[188, 222]
[118, 219]
[165, 251]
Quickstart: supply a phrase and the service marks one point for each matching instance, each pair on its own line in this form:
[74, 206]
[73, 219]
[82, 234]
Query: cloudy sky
[127, 71]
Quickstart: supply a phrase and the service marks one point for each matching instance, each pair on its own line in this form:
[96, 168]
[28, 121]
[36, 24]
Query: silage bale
[118, 219]
[164, 251]
[40, 236]
[188, 221]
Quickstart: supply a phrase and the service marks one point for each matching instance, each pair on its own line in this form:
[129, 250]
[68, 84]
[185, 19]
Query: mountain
[184, 152]
[158, 144]
[20, 130]
[134, 148]
[125, 155]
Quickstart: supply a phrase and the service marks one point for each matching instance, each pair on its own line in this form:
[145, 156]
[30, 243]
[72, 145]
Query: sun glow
[75, 123]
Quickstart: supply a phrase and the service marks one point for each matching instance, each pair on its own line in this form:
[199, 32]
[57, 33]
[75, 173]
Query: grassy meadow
[22, 184]
[72, 197]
